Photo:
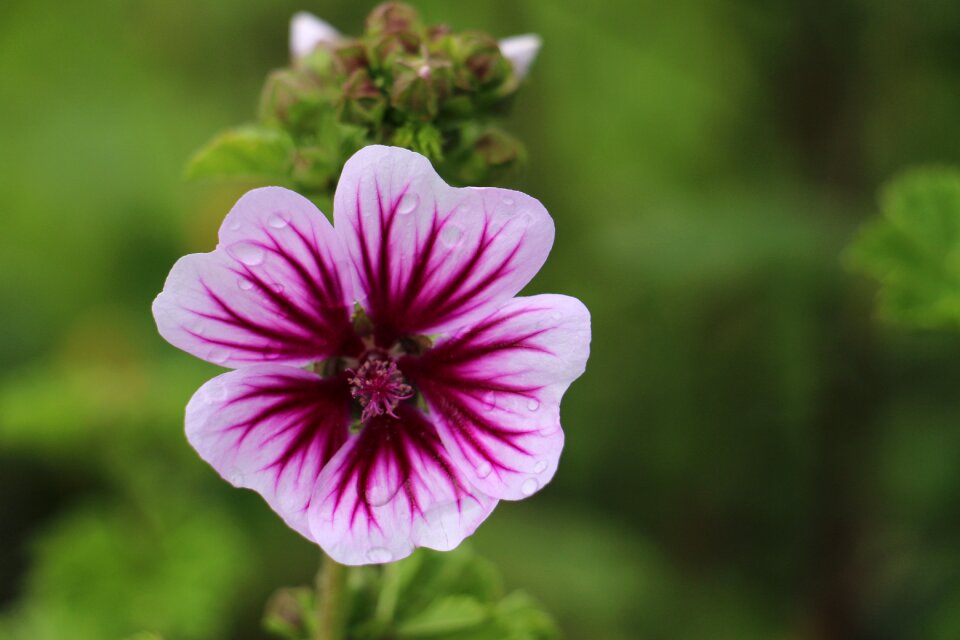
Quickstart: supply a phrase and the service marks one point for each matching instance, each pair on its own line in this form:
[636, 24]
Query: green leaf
[445, 615]
[247, 152]
[913, 249]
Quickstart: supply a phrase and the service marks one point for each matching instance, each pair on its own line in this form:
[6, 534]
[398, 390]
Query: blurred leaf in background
[914, 249]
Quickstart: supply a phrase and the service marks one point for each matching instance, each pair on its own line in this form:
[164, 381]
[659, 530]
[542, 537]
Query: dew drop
[235, 478]
[489, 401]
[526, 220]
[244, 284]
[218, 355]
[249, 254]
[508, 201]
[408, 203]
[379, 494]
[234, 226]
[533, 404]
[529, 486]
[451, 235]
[540, 467]
[379, 555]
[276, 221]
[277, 287]
[484, 469]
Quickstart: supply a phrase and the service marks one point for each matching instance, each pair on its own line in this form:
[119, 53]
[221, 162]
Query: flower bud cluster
[400, 83]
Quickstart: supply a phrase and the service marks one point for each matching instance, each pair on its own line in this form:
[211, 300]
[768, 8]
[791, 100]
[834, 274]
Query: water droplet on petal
[526, 220]
[408, 203]
[218, 355]
[234, 226]
[249, 254]
[533, 404]
[556, 316]
[508, 201]
[277, 287]
[489, 401]
[379, 494]
[235, 478]
[276, 221]
[451, 235]
[540, 467]
[484, 469]
[529, 486]
[379, 555]
[244, 284]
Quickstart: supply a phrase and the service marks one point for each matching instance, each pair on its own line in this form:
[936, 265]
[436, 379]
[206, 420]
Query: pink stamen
[378, 386]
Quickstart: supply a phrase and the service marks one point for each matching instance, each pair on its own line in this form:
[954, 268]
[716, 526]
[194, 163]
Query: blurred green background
[751, 454]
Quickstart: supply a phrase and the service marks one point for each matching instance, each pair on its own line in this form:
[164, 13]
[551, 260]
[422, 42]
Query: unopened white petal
[521, 51]
[307, 31]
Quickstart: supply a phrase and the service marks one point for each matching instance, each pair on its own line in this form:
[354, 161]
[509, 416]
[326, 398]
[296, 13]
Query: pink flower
[414, 416]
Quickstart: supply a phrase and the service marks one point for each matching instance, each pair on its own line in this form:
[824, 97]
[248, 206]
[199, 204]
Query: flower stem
[331, 600]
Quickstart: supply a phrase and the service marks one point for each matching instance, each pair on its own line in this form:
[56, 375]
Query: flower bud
[392, 17]
[419, 86]
[498, 148]
[288, 97]
[385, 49]
[481, 65]
[350, 56]
[361, 102]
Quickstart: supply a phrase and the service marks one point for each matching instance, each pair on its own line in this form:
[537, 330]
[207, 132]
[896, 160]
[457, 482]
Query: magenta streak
[317, 412]
[385, 440]
[443, 377]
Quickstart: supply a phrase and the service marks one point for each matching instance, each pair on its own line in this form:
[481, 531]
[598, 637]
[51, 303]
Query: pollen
[378, 386]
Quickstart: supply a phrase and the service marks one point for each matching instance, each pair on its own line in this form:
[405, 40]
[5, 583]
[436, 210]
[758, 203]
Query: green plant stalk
[330, 600]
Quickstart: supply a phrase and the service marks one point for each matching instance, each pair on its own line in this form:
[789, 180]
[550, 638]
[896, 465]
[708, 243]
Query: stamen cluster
[378, 386]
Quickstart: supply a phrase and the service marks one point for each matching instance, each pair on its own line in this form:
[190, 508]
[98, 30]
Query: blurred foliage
[428, 595]
[748, 455]
[914, 249]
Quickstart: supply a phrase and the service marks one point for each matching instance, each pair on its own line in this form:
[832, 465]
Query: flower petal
[277, 287]
[393, 488]
[272, 429]
[429, 257]
[494, 391]
[521, 51]
[307, 31]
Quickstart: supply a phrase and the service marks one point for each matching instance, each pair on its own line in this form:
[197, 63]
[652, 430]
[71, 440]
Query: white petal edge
[521, 51]
[307, 31]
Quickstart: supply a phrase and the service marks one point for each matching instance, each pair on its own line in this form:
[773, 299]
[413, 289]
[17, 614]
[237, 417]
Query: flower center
[378, 386]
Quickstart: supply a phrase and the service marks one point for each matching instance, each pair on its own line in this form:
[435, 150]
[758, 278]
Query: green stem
[331, 600]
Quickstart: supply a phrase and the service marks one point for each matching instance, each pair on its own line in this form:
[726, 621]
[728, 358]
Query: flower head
[389, 388]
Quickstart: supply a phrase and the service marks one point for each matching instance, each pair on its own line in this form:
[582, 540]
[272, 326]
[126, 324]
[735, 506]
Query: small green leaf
[247, 152]
[445, 615]
[913, 249]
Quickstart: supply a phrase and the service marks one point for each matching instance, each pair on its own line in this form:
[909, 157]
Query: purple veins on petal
[269, 292]
[441, 263]
[494, 390]
[392, 488]
[272, 429]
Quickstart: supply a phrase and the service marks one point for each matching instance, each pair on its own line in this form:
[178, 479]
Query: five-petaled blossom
[307, 31]
[388, 388]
